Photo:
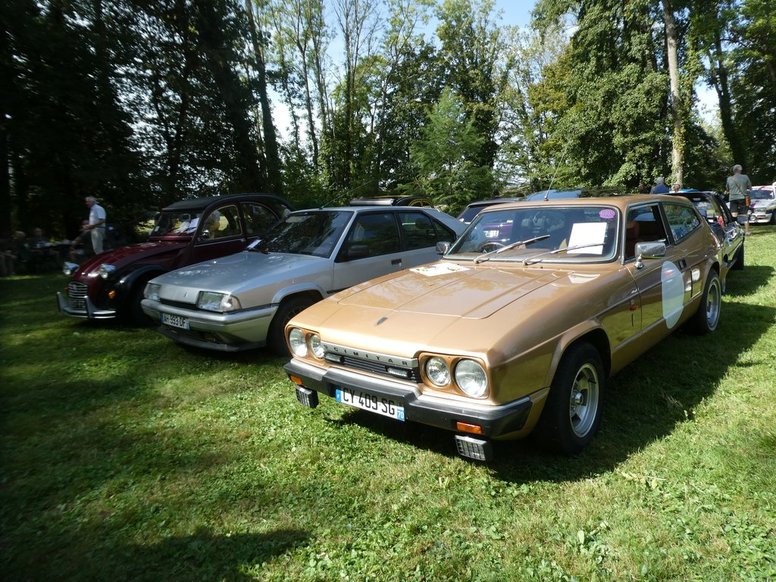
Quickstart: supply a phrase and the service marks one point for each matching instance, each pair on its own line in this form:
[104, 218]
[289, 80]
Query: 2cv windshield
[541, 234]
[177, 223]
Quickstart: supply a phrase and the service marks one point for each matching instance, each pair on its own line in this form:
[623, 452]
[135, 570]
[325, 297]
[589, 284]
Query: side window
[371, 235]
[681, 220]
[643, 224]
[222, 222]
[258, 218]
[421, 231]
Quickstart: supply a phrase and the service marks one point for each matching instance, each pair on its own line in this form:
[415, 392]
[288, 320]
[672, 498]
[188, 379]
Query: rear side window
[373, 234]
[421, 231]
[682, 220]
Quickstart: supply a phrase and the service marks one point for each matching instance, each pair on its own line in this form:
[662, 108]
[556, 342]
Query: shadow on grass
[644, 402]
[200, 556]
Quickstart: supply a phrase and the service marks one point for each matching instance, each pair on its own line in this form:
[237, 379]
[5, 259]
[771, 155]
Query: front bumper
[82, 308]
[758, 217]
[495, 420]
[225, 332]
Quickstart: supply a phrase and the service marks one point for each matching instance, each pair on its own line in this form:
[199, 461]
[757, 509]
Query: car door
[220, 233]
[371, 248]
[660, 281]
[420, 234]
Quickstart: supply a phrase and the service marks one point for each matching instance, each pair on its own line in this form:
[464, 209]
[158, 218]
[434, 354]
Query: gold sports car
[517, 328]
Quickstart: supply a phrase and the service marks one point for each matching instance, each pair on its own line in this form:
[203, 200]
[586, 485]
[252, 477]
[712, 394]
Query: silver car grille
[76, 293]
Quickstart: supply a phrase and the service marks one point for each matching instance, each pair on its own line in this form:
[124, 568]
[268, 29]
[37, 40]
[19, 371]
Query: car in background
[473, 208]
[110, 285]
[729, 232]
[392, 201]
[495, 344]
[243, 301]
[763, 205]
[554, 194]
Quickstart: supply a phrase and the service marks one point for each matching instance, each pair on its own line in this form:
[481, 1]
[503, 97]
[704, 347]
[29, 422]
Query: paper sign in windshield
[438, 269]
[589, 237]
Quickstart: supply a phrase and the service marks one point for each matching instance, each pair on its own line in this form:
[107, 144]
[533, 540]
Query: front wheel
[706, 319]
[572, 412]
[276, 337]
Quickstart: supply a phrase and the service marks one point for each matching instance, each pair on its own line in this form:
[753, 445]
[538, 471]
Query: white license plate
[175, 321]
[376, 404]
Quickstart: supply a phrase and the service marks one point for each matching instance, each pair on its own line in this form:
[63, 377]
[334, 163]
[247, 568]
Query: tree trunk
[719, 78]
[677, 108]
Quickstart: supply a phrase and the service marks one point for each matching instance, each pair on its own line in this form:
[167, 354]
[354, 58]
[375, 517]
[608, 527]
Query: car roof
[621, 202]
[391, 201]
[204, 202]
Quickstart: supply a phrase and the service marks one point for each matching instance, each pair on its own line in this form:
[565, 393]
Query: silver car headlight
[297, 343]
[471, 378]
[106, 270]
[220, 302]
[69, 268]
[151, 291]
[437, 371]
[316, 345]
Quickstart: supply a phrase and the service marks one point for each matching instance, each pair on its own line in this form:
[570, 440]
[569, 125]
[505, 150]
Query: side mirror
[649, 250]
[442, 247]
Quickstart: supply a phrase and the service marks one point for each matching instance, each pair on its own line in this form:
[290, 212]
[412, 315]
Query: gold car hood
[448, 289]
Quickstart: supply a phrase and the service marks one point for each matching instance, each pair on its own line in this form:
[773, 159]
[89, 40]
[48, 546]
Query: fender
[572, 335]
[305, 287]
[128, 280]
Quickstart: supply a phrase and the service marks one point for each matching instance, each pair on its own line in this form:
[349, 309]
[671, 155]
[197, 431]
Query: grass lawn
[126, 457]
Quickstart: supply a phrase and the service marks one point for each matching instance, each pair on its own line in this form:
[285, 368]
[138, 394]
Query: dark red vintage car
[110, 284]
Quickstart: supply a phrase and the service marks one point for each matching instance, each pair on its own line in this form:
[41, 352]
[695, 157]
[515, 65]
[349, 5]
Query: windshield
[177, 223]
[579, 234]
[761, 195]
[308, 233]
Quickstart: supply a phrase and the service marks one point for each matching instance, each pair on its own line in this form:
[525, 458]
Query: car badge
[381, 320]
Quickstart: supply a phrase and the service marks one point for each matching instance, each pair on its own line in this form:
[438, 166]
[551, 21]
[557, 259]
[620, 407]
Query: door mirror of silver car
[442, 247]
[649, 250]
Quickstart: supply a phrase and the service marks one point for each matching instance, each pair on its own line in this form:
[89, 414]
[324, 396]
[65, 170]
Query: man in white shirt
[96, 225]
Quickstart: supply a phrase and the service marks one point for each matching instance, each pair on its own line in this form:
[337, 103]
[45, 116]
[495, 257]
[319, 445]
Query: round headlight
[437, 371]
[317, 346]
[106, 270]
[297, 343]
[471, 378]
[69, 268]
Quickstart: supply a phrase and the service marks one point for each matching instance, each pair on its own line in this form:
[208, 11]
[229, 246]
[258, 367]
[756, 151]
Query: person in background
[675, 188]
[97, 217]
[81, 246]
[738, 188]
[660, 186]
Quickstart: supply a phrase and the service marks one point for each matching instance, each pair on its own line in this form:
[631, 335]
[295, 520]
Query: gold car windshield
[565, 234]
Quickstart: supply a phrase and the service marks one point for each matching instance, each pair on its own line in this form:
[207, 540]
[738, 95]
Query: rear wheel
[572, 412]
[706, 319]
[276, 337]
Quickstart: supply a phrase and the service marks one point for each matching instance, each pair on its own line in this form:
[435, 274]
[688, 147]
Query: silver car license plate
[175, 321]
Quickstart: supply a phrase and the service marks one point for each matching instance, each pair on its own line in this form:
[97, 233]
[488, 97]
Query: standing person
[738, 187]
[97, 218]
[660, 186]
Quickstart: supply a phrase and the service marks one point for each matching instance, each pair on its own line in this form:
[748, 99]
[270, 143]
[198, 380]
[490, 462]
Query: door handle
[682, 264]
[396, 262]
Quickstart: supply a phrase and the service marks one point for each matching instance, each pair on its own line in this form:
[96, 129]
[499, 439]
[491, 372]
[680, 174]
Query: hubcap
[713, 300]
[583, 405]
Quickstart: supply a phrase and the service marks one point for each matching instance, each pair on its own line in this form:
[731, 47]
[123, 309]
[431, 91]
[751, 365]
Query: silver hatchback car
[244, 301]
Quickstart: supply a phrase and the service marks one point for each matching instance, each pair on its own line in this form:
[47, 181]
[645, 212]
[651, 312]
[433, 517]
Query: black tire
[739, 264]
[135, 311]
[572, 413]
[276, 337]
[706, 319]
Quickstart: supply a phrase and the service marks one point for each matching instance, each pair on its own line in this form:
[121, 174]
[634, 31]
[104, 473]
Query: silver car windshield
[308, 233]
[577, 233]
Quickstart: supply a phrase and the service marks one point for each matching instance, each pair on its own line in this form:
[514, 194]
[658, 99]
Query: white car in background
[763, 205]
[243, 301]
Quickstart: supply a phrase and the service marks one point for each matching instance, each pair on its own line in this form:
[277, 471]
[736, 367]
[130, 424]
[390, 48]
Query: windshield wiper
[510, 246]
[538, 259]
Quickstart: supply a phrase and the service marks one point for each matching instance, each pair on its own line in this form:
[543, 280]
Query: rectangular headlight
[220, 302]
[152, 291]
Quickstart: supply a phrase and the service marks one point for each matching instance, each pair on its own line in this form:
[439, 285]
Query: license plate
[175, 321]
[376, 404]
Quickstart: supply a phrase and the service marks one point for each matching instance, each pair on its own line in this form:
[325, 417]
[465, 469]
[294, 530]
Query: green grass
[127, 457]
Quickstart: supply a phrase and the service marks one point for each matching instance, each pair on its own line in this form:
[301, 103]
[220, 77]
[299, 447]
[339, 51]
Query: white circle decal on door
[672, 286]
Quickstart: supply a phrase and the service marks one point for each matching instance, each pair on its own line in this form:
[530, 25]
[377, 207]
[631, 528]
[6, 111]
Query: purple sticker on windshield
[607, 214]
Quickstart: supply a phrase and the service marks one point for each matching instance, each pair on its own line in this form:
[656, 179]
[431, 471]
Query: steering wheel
[489, 246]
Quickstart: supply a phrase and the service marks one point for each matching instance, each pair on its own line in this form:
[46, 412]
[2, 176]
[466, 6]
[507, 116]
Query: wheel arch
[587, 333]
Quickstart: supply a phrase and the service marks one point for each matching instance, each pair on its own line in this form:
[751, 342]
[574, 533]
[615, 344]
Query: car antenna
[552, 181]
